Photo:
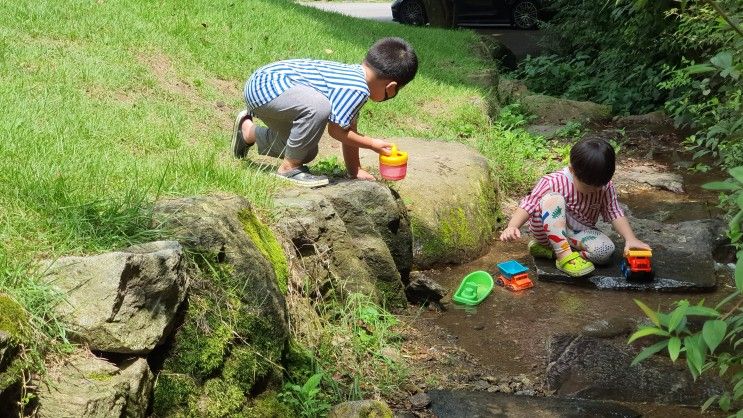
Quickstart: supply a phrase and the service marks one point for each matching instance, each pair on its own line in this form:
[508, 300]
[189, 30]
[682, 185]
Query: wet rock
[423, 290]
[121, 302]
[461, 404]
[86, 386]
[609, 328]
[682, 258]
[420, 400]
[353, 236]
[591, 368]
[361, 409]
[646, 177]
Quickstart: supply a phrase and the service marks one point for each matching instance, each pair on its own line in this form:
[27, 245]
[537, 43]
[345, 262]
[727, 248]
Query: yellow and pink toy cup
[395, 165]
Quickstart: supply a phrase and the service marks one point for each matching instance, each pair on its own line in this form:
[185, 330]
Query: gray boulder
[553, 110]
[450, 193]
[591, 368]
[121, 302]
[352, 237]
[86, 386]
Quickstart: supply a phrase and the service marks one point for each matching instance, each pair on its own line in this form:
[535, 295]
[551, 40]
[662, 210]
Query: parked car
[523, 14]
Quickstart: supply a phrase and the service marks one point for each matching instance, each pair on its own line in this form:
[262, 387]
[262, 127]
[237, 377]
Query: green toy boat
[475, 287]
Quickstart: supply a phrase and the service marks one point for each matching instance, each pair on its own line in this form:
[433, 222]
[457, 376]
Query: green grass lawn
[108, 105]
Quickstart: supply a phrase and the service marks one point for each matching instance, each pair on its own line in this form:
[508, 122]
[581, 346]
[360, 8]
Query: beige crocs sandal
[574, 265]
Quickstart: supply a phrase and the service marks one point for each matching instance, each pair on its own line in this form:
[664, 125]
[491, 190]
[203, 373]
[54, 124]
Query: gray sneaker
[239, 147]
[301, 177]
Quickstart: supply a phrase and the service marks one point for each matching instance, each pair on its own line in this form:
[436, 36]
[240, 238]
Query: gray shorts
[295, 122]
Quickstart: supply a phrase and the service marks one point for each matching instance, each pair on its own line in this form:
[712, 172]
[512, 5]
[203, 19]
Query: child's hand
[511, 233]
[364, 175]
[381, 147]
[634, 243]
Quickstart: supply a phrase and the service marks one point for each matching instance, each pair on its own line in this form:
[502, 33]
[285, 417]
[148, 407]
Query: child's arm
[352, 141]
[527, 206]
[623, 228]
[613, 213]
[512, 233]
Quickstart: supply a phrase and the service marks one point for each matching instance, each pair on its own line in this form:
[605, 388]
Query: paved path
[373, 11]
[520, 42]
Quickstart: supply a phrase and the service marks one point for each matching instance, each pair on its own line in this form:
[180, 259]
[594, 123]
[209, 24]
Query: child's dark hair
[593, 161]
[393, 59]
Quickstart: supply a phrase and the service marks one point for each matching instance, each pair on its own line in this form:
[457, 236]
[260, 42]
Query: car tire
[525, 14]
[412, 12]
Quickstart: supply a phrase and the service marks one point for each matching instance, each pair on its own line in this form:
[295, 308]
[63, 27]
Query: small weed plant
[307, 400]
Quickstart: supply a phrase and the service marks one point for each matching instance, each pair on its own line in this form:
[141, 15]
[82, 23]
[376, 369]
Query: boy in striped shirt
[296, 99]
[564, 206]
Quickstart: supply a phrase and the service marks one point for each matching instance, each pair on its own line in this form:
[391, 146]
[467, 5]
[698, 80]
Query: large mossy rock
[547, 109]
[89, 387]
[450, 193]
[14, 332]
[554, 110]
[124, 301]
[234, 332]
[352, 237]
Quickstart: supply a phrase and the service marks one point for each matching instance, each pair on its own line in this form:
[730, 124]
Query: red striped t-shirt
[582, 210]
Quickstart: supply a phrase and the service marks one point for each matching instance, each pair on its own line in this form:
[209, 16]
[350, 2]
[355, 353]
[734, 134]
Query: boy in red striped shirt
[563, 209]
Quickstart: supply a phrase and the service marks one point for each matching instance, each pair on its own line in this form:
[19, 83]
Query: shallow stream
[508, 333]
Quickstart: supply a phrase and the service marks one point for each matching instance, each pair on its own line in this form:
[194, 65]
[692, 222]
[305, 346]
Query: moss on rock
[461, 232]
[267, 405]
[172, 393]
[219, 398]
[361, 409]
[268, 245]
[13, 319]
[201, 343]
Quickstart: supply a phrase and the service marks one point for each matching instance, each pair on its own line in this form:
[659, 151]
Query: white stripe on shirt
[343, 84]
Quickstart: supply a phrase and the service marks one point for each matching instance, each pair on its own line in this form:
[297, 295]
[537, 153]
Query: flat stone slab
[462, 404]
[672, 274]
[682, 258]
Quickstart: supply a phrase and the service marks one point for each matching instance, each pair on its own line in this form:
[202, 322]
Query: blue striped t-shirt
[343, 84]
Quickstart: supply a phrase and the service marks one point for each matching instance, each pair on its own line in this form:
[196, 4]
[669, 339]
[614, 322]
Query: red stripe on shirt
[581, 207]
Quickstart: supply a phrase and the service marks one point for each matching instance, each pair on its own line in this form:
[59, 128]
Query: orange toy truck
[514, 276]
[636, 265]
